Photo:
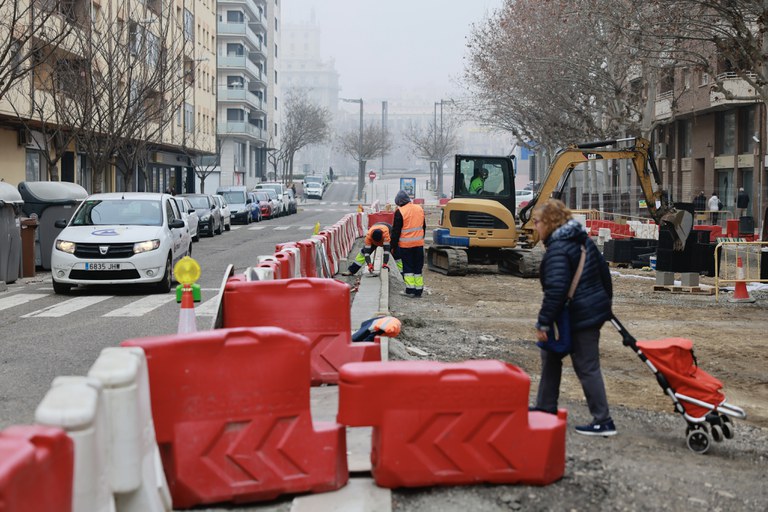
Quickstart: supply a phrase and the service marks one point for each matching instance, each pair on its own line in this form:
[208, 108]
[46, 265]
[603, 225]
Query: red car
[266, 205]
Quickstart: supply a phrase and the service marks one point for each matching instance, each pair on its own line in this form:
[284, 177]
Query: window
[726, 133]
[686, 79]
[189, 26]
[235, 114]
[235, 17]
[235, 50]
[35, 167]
[275, 50]
[235, 82]
[746, 130]
[686, 129]
[703, 78]
[189, 118]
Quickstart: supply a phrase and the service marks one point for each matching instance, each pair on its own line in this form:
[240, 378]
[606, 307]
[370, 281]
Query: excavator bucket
[681, 222]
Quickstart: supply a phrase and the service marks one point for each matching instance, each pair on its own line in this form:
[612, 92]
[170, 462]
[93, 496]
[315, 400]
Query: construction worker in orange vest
[408, 230]
[381, 325]
[377, 236]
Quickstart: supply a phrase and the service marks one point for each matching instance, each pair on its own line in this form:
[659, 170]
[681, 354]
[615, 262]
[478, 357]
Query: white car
[189, 214]
[226, 215]
[120, 238]
[313, 189]
[522, 198]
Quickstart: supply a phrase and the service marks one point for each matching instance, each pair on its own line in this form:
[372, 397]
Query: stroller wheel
[727, 427]
[717, 433]
[699, 440]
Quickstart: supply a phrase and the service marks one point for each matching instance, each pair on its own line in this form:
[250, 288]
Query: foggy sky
[387, 47]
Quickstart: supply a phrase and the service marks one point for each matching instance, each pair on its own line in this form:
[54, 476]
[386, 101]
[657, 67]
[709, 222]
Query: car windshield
[313, 179]
[271, 193]
[276, 188]
[198, 201]
[133, 212]
[237, 197]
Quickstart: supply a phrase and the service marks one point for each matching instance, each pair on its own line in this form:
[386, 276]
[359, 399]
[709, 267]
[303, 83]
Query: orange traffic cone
[187, 321]
[740, 293]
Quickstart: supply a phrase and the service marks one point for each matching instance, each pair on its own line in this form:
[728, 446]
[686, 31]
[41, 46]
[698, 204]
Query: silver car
[189, 214]
[226, 215]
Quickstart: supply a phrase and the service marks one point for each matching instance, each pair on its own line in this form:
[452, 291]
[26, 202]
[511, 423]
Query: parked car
[254, 203]
[313, 190]
[241, 205]
[120, 238]
[290, 198]
[277, 202]
[522, 198]
[208, 212]
[279, 189]
[189, 215]
[226, 214]
[315, 179]
[266, 205]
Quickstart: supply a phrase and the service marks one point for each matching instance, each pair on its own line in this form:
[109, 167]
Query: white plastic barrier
[296, 259]
[75, 404]
[603, 235]
[259, 274]
[321, 260]
[137, 476]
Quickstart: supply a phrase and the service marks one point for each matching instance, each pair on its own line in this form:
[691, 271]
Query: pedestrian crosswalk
[102, 305]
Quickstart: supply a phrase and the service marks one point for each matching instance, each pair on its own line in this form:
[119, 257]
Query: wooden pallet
[693, 290]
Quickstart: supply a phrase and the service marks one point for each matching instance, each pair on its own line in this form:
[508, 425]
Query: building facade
[248, 52]
[116, 95]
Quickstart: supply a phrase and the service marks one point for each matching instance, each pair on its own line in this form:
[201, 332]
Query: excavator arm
[645, 169]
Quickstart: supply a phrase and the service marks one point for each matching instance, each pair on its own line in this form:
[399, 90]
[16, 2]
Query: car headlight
[206, 217]
[149, 245]
[65, 246]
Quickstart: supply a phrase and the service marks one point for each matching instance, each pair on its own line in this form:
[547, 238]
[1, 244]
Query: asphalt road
[43, 335]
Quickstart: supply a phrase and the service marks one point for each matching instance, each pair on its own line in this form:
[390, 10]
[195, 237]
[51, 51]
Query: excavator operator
[478, 181]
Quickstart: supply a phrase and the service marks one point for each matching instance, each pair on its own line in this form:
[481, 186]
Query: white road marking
[143, 306]
[19, 299]
[256, 228]
[67, 307]
[282, 228]
[208, 308]
[306, 227]
[234, 228]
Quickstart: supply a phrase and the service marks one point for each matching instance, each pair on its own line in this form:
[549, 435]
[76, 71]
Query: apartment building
[115, 95]
[708, 142]
[248, 51]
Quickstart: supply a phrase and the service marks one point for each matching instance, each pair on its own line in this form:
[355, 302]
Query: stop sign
[372, 175]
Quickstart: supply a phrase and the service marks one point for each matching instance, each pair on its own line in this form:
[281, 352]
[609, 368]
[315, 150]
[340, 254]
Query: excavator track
[447, 260]
[520, 262]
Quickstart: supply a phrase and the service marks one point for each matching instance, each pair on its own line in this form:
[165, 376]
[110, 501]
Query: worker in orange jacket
[377, 236]
[408, 229]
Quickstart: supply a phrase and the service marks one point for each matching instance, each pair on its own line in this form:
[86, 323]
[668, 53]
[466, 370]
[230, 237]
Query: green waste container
[10, 232]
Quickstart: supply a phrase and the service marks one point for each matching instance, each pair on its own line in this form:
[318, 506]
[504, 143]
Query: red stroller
[695, 393]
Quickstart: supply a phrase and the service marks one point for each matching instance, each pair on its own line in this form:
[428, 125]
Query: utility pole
[360, 162]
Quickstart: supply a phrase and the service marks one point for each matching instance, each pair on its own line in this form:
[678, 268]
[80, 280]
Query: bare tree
[304, 123]
[124, 83]
[435, 143]
[376, 142]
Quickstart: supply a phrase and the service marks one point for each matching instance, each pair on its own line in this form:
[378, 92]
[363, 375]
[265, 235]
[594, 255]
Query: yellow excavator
[479, 226]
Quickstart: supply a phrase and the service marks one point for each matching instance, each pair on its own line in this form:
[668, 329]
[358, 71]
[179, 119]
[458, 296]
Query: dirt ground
[648, 465]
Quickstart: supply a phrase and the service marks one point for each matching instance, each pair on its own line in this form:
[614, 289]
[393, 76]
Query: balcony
[663, 106]
[239, 95]
[239, 30]
[239, 63]
[241, 128]
[742, 91]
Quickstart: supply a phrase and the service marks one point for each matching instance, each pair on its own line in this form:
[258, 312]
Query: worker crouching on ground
[377, 236]
[377, 326]
[408, 230]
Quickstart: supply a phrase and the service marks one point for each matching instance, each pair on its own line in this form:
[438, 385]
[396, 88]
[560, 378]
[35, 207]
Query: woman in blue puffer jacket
[590, 307]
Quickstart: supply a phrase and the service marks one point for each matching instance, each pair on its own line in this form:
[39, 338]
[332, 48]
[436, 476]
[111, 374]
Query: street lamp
[360, 161]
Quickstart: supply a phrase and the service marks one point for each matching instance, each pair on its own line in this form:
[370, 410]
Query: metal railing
[726, 259]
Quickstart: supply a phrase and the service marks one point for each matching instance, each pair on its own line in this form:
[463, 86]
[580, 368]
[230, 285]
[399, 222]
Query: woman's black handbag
[559, 339]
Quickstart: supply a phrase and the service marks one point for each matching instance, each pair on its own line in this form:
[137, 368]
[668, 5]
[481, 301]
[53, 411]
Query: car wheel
[218, 229]
[228, 226]
[164, 286]
[61, 288]
[196, 238]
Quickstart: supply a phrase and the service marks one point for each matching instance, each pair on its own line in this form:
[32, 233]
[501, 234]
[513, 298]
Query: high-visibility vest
[384, 227]
[412, 234]
[389, 325]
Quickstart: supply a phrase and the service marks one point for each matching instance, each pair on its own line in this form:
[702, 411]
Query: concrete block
[689, 279]
[665, 278]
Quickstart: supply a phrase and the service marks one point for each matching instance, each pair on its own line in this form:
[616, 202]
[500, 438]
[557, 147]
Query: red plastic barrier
[232, 417]
[285, 245]
[443, 201]
[287, 264]
[418, 200]
[315, 308]
[459, 423]
[388, 217]
[307, 249]
[36, 469]
[714, 231]
[359, 221]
